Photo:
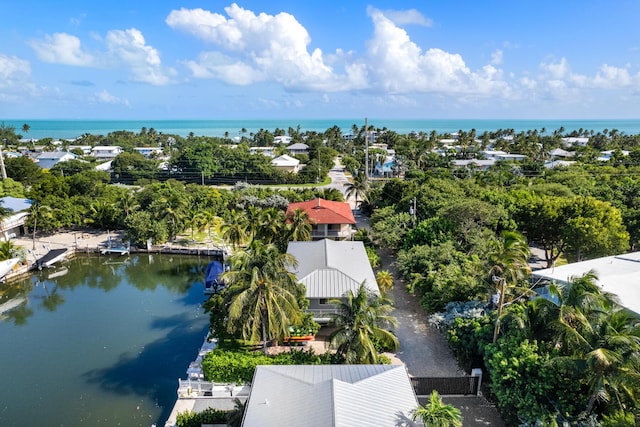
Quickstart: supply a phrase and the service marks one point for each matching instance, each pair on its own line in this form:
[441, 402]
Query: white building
[330, 396]
[618, 274]
[106, 152]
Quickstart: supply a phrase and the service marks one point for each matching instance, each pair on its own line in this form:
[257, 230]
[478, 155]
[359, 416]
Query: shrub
[237, 366]
[196, 419]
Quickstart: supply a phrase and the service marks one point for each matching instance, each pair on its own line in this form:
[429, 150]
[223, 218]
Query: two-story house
[329, 219]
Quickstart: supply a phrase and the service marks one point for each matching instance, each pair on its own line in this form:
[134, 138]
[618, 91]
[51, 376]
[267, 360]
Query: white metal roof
[618, 274]
[285, 160]
[330, 395]
[329, 268]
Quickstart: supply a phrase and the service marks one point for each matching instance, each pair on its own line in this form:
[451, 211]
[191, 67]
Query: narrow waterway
[99, 341]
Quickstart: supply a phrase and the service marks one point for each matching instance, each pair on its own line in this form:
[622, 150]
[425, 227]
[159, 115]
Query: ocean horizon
[71, 129]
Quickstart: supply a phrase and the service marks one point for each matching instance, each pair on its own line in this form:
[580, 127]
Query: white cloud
[404, 17]
[401, 67]
[122, 47]
[261, 48]
[104, 97]
[496, 57]
[562, 80]
[62, 48]
[13, 68]
[130, 47]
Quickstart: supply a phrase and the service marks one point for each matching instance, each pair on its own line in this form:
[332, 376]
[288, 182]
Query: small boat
[212, 282]
[7, 266]
[51, 257]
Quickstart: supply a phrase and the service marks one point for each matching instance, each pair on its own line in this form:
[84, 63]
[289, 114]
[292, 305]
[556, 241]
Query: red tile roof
[323, 211]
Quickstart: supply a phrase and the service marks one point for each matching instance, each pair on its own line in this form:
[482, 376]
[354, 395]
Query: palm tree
[385, 281]
[600, 340]
[358, 188]
[438, 414]
[127, 204]
[270, 227]
[360, 321]
[263, 293]
[299, 225]
[234, 231]
[195, 219]
[509, 261]
[37, 211]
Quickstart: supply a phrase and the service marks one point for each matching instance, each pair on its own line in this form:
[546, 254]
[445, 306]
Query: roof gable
[329, 268]
[323, 211]
[330, 395]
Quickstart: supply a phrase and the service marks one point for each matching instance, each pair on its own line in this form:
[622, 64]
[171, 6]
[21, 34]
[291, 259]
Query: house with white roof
[298, 148]
[558, 164]
[476, 164]
[48, 159]
[86, 149]
[106, 152]
[559, 153]
[330, 396]
[605, 156]
[329, 269]
[617, 274]
[572, 141]
[502, 155]
[286, 163]
[148, 151]
[267, 151]
[282, 139]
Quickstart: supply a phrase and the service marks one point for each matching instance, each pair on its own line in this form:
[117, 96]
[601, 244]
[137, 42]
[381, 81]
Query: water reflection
[137, 374]
[100, 340]
[145, 272]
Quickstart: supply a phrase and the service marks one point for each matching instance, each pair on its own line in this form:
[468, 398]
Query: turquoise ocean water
[74, 128]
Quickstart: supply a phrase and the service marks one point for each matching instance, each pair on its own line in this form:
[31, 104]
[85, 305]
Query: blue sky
[309, 59]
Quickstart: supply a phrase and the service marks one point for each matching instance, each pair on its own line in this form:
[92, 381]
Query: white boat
[7, 266]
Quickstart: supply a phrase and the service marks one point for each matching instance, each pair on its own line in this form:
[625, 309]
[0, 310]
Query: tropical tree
[299, 225]
[601, 342]
[9, 250]
[361, 321]
[509, 264]
[37, 212]
[263, 293]
[358, 188]
[436, 413]
[195, 219]
[385, 281]
[234, 230]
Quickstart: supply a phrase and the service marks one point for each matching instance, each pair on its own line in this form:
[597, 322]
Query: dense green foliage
[238, 367]
[197, 419]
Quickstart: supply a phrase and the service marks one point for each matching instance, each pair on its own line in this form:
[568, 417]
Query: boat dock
[195, 394]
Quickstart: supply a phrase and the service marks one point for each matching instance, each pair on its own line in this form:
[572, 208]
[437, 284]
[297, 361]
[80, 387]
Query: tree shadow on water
[154, 372]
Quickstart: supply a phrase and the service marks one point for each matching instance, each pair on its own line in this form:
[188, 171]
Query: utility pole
[366, 149]
[4, 171]
[412, 212]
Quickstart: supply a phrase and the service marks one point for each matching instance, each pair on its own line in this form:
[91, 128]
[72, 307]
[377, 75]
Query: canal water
[100, 340]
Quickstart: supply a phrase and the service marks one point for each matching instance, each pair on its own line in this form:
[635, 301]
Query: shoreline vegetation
[459, 210]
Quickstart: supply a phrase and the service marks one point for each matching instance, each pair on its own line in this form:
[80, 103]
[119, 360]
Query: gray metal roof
[329, 268]
[619, 275]
[330, 395]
